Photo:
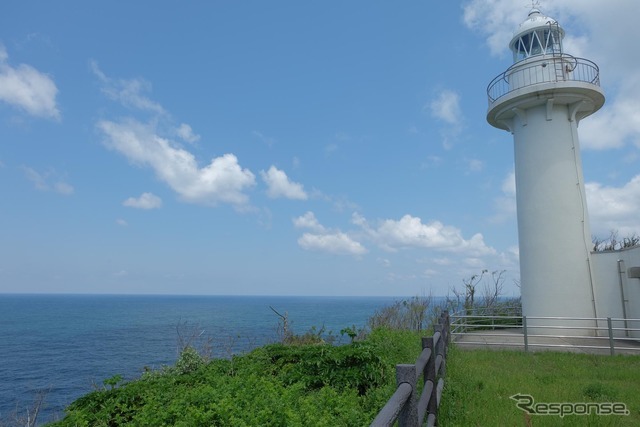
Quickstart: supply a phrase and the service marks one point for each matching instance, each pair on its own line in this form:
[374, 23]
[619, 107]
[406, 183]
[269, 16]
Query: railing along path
[405, 405]
[594, 335]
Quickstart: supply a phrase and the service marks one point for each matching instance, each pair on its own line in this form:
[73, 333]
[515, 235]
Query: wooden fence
[405, 405]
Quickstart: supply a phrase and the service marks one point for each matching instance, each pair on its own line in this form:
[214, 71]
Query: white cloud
[121, 222]
[309, 220]
[129, 93]
[27, 89]
[616, 125]
[474, 165]
[36, 178]
[342, 203]
[614, 208]
[432, 162]
[509, 184]
[505, 205]
[186, 133]
[330, 149]
[145, 201]
[337, 243]
[384, 262]
[279, 185]
[474, 263]
[221, 181]
[324, 240]
[359, 220]
[409, 232]
[63, 188]
[48, 181]
[446, 107]
[266, 139]
[496, 19]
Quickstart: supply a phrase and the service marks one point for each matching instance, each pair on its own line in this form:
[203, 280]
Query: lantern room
[538, 35]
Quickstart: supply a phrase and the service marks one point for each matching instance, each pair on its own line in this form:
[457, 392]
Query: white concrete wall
[611, 285]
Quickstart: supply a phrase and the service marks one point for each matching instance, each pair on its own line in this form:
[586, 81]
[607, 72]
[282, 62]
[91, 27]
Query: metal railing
[491, 316]
[615, 335]
[405, 405]
[546, 69]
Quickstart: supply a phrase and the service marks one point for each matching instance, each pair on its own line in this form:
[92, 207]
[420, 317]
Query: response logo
[527, 403]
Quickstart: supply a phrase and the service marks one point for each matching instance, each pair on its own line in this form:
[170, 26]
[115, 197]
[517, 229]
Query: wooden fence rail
[405, 405]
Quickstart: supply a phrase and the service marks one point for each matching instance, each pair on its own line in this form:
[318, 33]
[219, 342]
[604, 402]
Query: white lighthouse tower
[541, 99]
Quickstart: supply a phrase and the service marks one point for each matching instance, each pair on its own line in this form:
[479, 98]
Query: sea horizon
[215, 295]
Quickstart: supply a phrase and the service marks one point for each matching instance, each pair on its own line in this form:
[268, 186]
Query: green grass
[479, 384]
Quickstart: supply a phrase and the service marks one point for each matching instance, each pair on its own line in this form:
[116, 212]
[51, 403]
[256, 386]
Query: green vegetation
[480, 382]
[276, 385]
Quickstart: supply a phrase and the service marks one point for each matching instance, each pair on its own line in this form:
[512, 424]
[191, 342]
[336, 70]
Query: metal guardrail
[405, 405]
[610, 337]
[560, 68]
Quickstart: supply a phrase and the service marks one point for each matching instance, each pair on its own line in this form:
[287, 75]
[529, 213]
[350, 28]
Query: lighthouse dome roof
[538, 34]
[535, 20]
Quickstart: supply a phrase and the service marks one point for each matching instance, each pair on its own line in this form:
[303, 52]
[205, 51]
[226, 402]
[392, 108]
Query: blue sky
[282, 148]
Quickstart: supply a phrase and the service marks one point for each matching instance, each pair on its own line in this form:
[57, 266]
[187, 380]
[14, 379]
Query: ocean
[67, 345]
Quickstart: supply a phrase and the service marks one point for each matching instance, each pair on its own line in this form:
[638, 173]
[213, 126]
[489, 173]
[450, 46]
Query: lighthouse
[541, 99]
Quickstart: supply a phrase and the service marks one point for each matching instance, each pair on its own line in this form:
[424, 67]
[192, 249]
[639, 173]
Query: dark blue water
[68, 344]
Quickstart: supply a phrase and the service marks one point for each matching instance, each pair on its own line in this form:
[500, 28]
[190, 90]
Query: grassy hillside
[276, 385]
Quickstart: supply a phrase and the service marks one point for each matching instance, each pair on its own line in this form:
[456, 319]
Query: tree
[612, 243]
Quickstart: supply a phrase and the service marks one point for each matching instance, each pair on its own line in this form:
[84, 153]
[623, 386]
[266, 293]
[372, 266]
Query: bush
[189, 361]
[274, 385]
[355, 366]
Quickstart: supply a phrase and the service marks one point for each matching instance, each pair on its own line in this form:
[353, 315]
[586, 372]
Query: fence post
[526, 335]
[431, 375]
[447, 331]
[439, 348]
[408, 416]
[611, 345]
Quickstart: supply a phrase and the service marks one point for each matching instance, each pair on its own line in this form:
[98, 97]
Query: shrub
[189, 361]
[355, 366]
[274, 385]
